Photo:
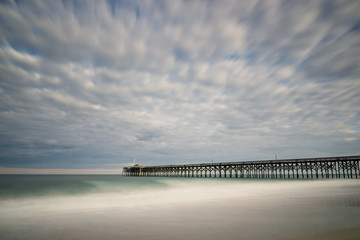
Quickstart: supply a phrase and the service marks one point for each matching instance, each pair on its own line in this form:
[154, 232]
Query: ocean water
[117, 207]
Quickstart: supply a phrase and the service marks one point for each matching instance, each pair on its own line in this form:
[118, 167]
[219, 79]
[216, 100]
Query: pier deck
[324, 167]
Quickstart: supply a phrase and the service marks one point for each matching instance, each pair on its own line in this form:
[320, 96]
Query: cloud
[91, 84]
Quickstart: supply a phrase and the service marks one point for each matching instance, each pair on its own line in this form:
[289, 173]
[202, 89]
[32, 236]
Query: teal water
[20, 186]
[117, 207]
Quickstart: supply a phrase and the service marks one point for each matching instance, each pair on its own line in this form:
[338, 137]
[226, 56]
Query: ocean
[117, 207]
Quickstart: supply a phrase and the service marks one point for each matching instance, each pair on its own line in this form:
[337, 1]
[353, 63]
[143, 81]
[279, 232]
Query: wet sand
[342, 234]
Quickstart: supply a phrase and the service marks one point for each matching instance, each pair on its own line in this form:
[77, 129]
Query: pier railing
[325, 167]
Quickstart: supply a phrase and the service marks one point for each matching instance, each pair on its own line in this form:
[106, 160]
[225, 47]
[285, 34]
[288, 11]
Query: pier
[324, 167]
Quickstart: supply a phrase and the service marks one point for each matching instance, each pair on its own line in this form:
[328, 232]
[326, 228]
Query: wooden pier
[325, 167]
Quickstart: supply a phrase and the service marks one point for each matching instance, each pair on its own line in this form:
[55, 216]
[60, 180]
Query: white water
[189, 209]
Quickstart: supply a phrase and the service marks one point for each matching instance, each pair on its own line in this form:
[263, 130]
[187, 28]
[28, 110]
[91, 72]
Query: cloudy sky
[92, 84]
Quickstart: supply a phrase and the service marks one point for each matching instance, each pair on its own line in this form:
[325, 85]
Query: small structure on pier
[326, 167]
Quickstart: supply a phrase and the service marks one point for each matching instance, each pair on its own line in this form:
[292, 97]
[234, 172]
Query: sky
[93, 84]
